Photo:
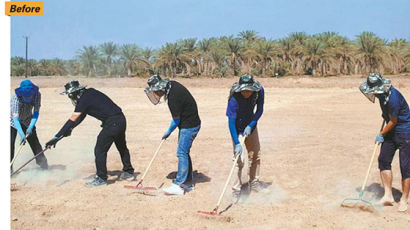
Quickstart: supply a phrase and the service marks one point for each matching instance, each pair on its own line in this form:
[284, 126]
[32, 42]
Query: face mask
[152, 96]
[75, 96]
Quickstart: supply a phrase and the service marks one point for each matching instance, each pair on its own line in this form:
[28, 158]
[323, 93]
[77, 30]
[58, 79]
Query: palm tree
[190, 52]
[397, 51]
[17, 65]
[73, 67]
[343, 52]
[89, 56]
[234, 46]
[129, 56]
[298, 40]
[371, 50]
[109, 50]
[57, 67]
[314, 53]
[219, 58]
[44, 67]
[265, 51]
[171, 57]
[32, 67]
[249, 36]
[204, 47]
[287, 52]
[329, 62]
[148, 58]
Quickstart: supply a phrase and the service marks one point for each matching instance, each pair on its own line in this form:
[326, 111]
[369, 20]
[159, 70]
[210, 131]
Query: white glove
[237, 151]
[247, 131]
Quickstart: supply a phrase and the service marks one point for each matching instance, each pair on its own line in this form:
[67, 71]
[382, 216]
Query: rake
[139, 186]
[18, 152]
[215, 212]
[351, 202]
[38, 154]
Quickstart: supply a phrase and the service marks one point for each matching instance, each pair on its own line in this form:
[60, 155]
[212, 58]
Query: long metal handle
[370, 165]
[230, 175]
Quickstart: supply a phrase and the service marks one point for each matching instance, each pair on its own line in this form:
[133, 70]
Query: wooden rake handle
[18, 152]
[371, 163]
[241, 141]
[15, 156]
[152, 160]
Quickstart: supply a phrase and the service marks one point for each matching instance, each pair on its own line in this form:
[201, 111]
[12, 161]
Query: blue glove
[379, 138]
[32, 123]
[174, 124]
[19, 130]
[247, 131]
[237, 151]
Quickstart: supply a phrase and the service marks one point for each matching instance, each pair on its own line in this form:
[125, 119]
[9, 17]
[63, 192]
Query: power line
[26, 37]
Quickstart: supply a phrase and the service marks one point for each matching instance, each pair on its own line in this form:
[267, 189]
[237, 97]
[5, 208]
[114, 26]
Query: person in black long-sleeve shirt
[95, 103]
[185, 116]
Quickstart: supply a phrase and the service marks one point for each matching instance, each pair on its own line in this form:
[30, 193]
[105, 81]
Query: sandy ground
[316, 136]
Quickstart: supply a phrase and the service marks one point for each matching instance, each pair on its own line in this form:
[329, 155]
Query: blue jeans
[185, 139]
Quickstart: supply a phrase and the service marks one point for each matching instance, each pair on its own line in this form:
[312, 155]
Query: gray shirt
[24, 110]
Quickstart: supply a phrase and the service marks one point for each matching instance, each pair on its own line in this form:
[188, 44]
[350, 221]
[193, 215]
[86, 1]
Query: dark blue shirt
[242, 109]
[396, 107]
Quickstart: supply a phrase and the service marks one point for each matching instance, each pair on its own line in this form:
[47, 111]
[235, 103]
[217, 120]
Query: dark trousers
[392, 142]
[33, 142]
[113, 132]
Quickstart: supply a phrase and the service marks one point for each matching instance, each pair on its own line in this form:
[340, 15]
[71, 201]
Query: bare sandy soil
[316, 135]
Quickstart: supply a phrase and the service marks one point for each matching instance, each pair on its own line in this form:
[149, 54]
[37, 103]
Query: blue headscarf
[26, 91]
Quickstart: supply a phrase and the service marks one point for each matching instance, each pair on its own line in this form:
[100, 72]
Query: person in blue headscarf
[24, 112]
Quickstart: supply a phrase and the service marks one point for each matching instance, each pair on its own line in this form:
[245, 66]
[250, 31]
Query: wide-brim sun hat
[157, 85]
[26, 89]
[246, 82]
[71, 87]
[375, 84]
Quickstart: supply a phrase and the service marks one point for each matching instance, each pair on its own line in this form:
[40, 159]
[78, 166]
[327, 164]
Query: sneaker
[96, 182]
[188, 188]
[126, 176]
[236, 195]
[173, 190]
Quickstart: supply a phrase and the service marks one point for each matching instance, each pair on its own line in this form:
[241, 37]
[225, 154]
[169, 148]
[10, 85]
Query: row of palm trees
[320, 54]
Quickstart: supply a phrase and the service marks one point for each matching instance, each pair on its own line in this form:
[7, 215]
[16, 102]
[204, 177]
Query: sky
[68, 25]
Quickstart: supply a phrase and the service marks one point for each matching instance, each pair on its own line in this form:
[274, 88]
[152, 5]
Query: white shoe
[173, 190]
[188, 188]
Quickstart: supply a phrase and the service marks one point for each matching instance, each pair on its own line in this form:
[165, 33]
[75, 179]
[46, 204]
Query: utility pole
[26, 37]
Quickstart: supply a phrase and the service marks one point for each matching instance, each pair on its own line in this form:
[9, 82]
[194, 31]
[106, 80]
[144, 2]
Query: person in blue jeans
[185, 116]
[395, 135]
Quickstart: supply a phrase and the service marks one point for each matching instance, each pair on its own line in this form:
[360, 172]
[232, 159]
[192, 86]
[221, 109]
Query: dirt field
[316, 137]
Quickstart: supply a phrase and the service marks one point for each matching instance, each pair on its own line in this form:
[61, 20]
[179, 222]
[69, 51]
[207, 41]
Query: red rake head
[213, 213]
[140, 187]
